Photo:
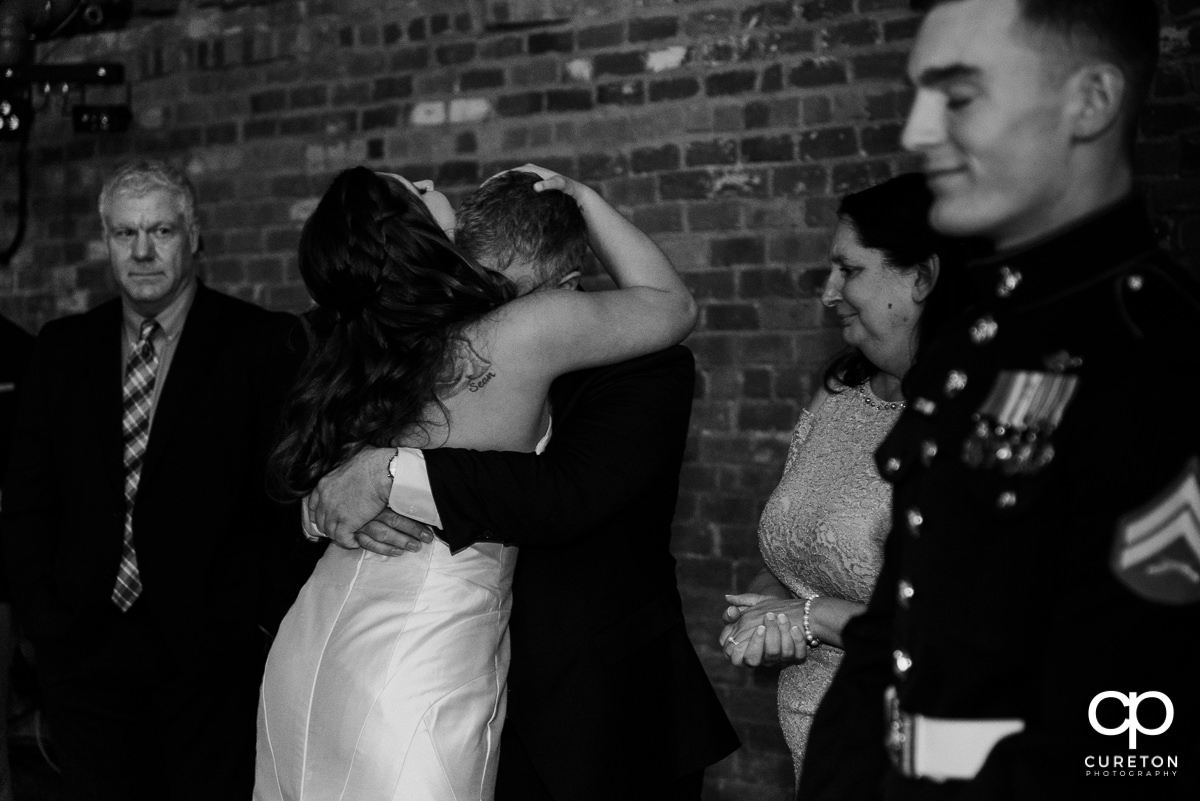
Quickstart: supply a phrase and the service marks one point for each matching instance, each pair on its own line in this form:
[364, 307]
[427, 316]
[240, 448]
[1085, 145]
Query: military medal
[1013, 425]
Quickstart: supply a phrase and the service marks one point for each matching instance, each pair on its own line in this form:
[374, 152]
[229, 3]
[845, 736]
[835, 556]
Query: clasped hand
[346, 509]
[759, 630]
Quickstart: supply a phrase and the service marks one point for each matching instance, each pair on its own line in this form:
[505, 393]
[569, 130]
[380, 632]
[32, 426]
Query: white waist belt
[942, 748]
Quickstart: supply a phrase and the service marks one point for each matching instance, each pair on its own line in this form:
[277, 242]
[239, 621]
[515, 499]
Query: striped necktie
[137, 397]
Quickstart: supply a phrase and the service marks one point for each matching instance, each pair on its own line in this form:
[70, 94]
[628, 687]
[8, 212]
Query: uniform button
[891, 466]
[915, 520]
[1061, 361]
[904, 593]
[984, 330]
[929, 450]
[901, 662]
[925, 406]
[1007, 500]
[1009, 281]
[1045, 457]
[956, 382]
[1135, 283]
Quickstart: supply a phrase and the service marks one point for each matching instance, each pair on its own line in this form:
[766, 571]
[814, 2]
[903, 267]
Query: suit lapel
[195, 355]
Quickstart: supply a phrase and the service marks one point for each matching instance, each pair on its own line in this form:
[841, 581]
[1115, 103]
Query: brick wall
[725, 129]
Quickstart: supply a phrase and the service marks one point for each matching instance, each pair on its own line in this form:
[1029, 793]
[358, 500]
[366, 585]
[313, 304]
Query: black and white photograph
[599, 400]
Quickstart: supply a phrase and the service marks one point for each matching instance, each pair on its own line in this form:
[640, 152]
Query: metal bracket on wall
[108, 73]
[22, 86]
[27, 87]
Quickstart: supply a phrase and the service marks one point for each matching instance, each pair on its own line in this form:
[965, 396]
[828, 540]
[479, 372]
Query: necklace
[887, 406]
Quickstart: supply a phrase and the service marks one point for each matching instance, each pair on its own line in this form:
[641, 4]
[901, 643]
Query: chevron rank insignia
[1156, 553]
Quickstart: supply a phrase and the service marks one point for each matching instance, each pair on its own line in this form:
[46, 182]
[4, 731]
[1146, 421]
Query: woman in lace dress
[821, 533]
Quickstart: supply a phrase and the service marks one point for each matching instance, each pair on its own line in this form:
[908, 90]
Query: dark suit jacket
[208, 540]
[606, 691]
[16, 348]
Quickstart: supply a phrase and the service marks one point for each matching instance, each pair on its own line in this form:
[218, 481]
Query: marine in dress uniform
[1033, 633]
[1045, 547]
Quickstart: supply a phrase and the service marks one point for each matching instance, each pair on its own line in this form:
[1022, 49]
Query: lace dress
[822, 532]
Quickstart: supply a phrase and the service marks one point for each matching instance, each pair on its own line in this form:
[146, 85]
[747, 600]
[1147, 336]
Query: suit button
[891, 466]
[929, 450]
[904, 593]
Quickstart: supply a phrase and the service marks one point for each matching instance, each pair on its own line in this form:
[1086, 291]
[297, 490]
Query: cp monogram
[1131, 723]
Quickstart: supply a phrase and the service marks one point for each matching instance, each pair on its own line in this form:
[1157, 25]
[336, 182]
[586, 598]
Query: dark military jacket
[1045, 545]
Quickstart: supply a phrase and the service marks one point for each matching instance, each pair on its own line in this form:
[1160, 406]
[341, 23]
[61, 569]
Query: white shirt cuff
[411, 494]
[306, 525]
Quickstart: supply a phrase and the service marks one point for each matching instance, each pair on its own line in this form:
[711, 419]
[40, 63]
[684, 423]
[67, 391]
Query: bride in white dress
[386, 680]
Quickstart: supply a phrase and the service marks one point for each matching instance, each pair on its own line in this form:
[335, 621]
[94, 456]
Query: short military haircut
[1123, 32]
[145, 175]
[505, 223]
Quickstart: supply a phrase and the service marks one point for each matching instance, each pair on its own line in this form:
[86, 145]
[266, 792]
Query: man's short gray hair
[144, 175]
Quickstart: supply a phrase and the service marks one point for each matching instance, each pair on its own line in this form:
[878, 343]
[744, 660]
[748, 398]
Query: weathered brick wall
[725, 129]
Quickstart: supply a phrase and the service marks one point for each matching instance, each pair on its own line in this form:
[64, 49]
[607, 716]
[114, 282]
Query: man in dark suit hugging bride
[606, 693]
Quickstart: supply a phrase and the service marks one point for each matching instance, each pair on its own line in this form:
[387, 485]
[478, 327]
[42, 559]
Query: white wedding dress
[386, 681]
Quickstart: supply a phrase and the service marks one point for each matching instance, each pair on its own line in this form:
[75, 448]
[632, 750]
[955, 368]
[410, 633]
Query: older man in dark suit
[141, 547]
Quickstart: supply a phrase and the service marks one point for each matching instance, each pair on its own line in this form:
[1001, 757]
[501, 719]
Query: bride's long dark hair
[391, 292]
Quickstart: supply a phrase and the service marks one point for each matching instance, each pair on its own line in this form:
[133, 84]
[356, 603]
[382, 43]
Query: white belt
[941, 748]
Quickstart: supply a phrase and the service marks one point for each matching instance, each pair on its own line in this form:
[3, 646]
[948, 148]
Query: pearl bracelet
[812, 641]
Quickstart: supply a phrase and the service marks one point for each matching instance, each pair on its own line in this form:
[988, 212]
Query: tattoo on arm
[466, 370]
